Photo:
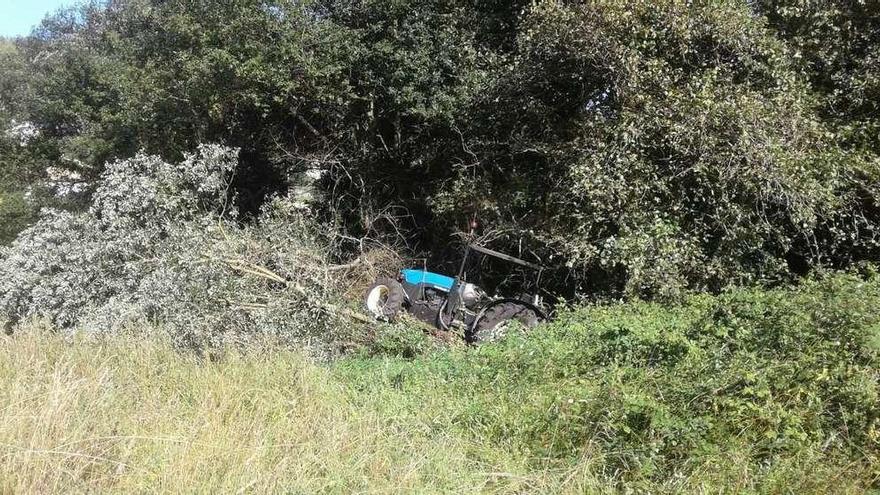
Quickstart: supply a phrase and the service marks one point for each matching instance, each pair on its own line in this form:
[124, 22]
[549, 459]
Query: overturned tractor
[453, 303]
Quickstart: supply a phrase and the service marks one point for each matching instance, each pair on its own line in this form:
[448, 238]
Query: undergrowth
[751, 391]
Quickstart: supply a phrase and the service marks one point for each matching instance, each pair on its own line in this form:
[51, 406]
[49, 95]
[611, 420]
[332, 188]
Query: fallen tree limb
[261, 271]
[335, 268]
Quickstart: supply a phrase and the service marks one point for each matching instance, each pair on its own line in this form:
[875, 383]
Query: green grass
[752, 391]
[129, 416]
[761, 391]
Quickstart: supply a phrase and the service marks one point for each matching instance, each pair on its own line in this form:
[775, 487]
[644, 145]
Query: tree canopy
[638, 148]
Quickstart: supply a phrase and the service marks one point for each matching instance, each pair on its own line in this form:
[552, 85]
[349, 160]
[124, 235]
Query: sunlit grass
[129, 414]
[132, 415]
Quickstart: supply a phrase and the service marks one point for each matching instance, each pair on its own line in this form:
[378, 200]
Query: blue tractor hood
[435, 280]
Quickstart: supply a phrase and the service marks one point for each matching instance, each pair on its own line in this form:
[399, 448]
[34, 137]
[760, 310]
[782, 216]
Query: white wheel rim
[376, 300]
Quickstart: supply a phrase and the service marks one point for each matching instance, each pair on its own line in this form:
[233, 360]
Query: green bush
[640, 148]
[16, 214]
[660, 394]
[160, 246]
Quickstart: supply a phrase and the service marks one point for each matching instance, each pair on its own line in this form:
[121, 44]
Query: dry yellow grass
[132, 416]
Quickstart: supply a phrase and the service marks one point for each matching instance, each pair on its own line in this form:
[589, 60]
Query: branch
[263, 272]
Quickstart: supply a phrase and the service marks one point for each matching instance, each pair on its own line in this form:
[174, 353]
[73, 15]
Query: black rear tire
[385, 299]
[492, 326]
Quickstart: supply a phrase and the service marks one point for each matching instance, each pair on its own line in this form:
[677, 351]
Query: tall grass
[130, 415]
[753, 391]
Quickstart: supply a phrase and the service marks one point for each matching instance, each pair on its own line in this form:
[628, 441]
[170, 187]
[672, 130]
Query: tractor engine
[472, 295]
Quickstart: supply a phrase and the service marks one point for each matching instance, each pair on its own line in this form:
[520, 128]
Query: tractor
[453, 303]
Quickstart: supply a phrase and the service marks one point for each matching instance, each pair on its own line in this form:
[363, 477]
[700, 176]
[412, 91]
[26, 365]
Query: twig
[260, 271]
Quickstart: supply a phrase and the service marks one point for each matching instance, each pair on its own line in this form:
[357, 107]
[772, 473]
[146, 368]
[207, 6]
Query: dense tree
[638, 148]
[836, 45]
[667, 146]
[17, 169]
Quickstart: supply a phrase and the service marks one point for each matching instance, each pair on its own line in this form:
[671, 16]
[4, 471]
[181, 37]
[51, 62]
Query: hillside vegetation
[750, 391]
[194, 195]
[637, 148]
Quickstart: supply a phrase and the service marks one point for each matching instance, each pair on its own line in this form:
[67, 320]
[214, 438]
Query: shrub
[160, 244]
[404, 339]
[743, 385]
[640, 149]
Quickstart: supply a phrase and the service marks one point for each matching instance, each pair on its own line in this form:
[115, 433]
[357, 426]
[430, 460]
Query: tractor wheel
[384, 299]
[496, 322]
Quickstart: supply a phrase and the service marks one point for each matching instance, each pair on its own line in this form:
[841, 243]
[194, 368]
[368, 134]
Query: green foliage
[836, 43]
[111, 79]
[639, 149]
[667, 147]
[747, 392]
[16, 213]
[401, 340]
[668, 393]
[160, 245]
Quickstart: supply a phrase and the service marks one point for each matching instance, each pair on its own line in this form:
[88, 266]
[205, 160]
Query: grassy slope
[765, 391]
[135, 416]
[754, 391]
